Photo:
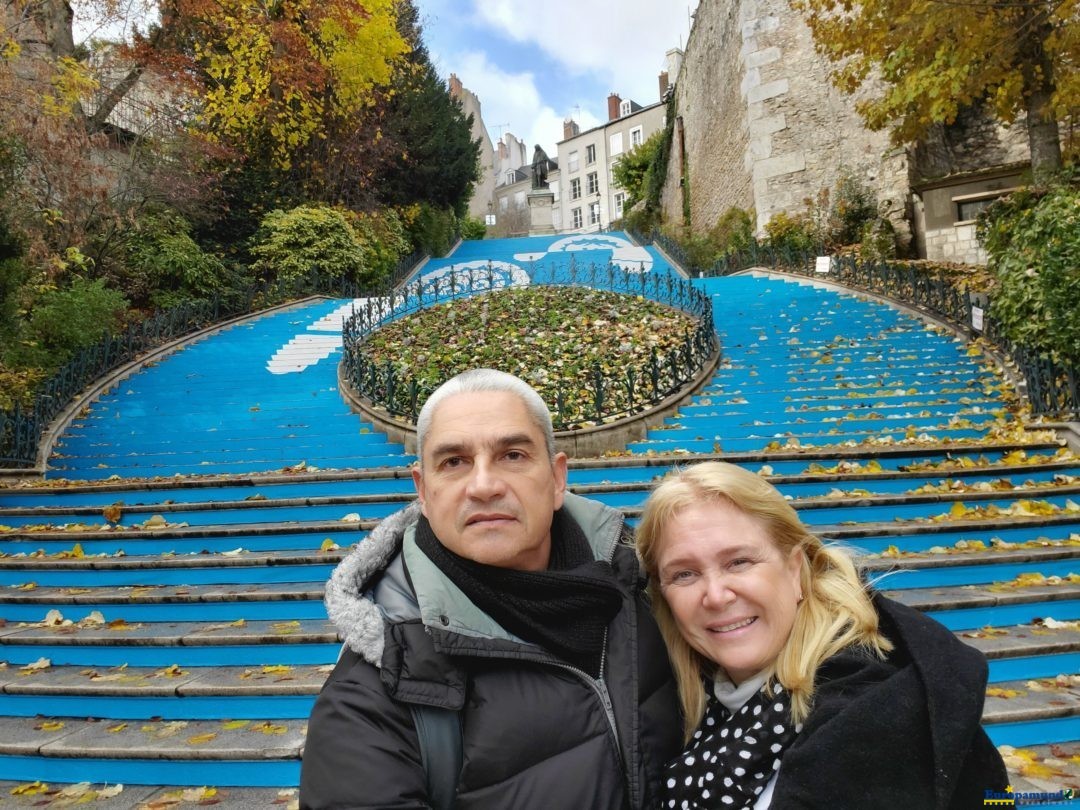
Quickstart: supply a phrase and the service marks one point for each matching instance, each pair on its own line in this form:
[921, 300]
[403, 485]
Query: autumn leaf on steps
[233, 725]
[199, 739]
[112, 513]
[998, 692]
[30, 789]
[269, 728]
[49, 725]
[37, 666]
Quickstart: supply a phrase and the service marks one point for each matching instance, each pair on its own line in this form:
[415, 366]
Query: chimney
[663, 85]
[613, 103]
[455, 86]
[570, 129]
[504, 153]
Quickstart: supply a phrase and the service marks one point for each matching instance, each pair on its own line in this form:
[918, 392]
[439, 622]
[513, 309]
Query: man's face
[486, 484]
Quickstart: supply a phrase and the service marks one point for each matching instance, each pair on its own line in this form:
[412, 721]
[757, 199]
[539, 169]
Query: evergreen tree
[437, 158]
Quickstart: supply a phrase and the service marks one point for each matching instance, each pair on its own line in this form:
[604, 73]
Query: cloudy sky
[535, 62]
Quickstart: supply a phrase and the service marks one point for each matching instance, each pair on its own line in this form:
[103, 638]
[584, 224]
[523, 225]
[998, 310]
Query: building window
[504, 203]
[576, 214]
[590, 154]
[620, 201]
[616, 144]
[636, 137]
[519, 198]
[572, 162]
[575, 188]
[592, 184]
[556, 218]
[625, 108]
[594, 213]
[511, 177]
[967, 211]
[969, 206]
[553, 187]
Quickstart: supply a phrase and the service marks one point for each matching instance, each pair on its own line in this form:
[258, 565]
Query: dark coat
[904, 732]
[536, 732]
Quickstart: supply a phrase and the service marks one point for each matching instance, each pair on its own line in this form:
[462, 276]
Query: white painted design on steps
[632, 259]
[302, 352]
[590, 241]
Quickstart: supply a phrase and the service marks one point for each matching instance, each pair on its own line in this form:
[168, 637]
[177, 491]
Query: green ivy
[1032, 238]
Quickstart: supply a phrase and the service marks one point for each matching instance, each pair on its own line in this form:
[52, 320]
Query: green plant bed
[554, 338]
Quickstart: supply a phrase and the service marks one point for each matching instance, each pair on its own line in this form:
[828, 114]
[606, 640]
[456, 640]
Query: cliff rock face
[760, 125]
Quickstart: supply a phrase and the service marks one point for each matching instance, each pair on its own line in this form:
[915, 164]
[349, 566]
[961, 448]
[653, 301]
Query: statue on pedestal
[539, 168]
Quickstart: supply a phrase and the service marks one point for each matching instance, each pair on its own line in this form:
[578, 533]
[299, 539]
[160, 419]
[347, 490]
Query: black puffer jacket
[536, 733]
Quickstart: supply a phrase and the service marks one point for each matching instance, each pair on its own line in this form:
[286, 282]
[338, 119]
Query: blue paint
[1035, 732]
[289, 652]
[184, 545]
[76, 578]
[927, 540]
[174, 707]
[234, 773]
[1033, 666]
[1001, 615]
[229, 611]
[948, 576]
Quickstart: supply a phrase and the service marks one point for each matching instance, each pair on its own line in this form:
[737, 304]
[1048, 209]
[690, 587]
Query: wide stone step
[99, 796]
[162, 644]
[195, 752]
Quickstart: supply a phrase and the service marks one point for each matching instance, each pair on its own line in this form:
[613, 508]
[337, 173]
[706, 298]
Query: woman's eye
[740, 563]
[680, 577]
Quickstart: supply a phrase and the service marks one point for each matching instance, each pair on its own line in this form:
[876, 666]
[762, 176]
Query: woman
[801, 689]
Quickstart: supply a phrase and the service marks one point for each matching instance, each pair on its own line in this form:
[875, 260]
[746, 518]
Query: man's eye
[453, 461]
[515, 455]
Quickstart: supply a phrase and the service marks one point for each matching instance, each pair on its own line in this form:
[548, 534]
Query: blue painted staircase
[163, 631]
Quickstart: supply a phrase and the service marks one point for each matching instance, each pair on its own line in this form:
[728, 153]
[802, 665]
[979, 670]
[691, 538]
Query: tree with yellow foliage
[924, 60]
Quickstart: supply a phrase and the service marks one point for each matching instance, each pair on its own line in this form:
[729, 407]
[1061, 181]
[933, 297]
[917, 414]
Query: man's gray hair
[481, 380]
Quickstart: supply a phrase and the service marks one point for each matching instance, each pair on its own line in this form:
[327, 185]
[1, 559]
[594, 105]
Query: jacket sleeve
[362, 750]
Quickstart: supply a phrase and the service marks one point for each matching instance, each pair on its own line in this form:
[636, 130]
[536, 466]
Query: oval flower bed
[554, 338]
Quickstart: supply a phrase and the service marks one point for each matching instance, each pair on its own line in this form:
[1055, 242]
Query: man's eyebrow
[454, 448]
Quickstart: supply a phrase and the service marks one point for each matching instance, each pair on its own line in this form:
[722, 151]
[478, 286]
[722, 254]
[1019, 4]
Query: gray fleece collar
[358, 619]
[443, 606]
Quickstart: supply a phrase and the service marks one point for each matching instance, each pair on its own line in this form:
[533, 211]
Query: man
[498, 651]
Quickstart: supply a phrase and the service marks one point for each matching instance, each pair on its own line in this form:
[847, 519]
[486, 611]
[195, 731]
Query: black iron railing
[610, 395]
[1053, 387]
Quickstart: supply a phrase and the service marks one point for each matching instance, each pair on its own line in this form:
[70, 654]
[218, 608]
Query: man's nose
[485, 482]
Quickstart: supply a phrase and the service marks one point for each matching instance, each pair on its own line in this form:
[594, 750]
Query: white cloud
[622, 42]
[512, 101]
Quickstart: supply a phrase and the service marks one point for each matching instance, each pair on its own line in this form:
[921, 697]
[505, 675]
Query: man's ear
[418, 482]
[558, 471]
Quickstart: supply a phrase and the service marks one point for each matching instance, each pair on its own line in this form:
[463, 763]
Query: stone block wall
[763, 125]
[955, 244]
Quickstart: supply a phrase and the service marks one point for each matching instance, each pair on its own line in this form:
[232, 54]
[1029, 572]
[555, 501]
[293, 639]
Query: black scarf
[565, 609]
[731, 757]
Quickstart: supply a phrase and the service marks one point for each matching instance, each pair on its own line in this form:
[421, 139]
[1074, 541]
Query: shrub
[1032, 238]
[473, 228]
[878, 240]
[733, 231]
[66, 320]
[318, 240]
[853, 209]
[383, 242]
[792, 233]
[166, 266]
[433, 230]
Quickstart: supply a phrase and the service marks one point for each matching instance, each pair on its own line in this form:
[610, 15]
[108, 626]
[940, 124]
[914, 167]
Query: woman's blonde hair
[835, 612]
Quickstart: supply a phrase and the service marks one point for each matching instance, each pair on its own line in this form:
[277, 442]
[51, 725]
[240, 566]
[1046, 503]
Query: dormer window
[624, 109]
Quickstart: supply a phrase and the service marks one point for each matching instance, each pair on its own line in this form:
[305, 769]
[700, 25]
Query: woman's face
[731, 590]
